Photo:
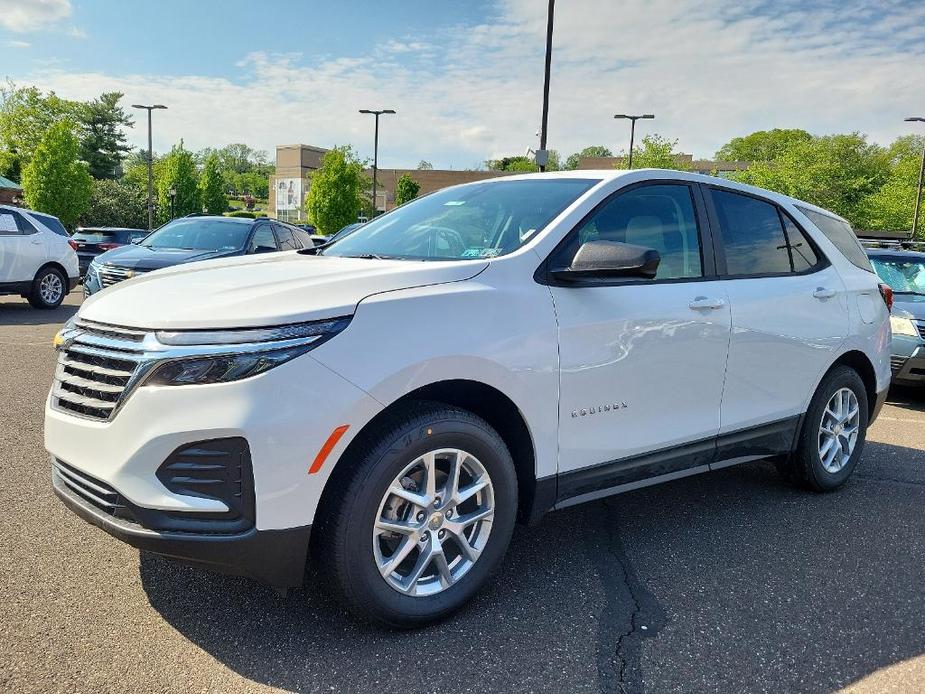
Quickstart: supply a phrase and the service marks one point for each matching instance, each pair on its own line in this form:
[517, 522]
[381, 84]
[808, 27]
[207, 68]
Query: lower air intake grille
[95, 492]
[896, 363]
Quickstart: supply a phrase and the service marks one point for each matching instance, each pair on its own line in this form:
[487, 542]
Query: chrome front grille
[97, 368]
[921, 326]
[112, 274]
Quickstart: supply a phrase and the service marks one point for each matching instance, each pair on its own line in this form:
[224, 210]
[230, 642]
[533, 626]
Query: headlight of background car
[249, 352]
[901, 325]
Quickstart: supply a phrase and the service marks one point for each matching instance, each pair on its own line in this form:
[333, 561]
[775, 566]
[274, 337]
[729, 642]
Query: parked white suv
[481, 355]
[36, 260]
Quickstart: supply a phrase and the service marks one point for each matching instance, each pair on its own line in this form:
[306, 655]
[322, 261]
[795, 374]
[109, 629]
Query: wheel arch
[483, 400]
[60, 268]
[861, 363]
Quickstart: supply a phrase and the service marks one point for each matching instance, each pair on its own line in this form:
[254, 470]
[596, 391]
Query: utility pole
[542, 157]
[375, 148]
[632, 120]
[150, 164]
[918, 195]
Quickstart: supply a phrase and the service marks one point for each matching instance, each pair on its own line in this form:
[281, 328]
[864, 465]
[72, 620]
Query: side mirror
[597, 260]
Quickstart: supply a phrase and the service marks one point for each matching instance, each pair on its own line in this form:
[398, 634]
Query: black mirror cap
[610, 259]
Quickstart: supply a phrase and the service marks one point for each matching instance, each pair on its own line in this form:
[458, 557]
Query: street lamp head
[388, 110]
[649, 115]
[915, 119]
[365, 110]
[173, 192]
[159, 106]
[376, 113]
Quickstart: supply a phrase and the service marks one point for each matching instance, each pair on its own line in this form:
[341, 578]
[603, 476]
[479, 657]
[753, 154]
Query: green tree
[522, 164]
[26, 114]
[656, 152]
[54, 181]
[116, 204]
[892, 206]
[593, 151]
[178, 171]
[425, 166]
[837, 172]
[212, 187]
[406, 189]
[336, 191]
[762, 145]
[103, 145]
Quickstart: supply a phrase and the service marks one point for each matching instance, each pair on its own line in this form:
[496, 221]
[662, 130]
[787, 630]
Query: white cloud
[708, 70]
[29, 15]
[18, 44]
[76, 33]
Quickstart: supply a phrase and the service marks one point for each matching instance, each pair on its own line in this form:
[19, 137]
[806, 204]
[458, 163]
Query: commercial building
[10, 193]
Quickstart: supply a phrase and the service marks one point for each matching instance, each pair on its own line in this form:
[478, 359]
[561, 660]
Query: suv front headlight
[903, 326]
[221, 356]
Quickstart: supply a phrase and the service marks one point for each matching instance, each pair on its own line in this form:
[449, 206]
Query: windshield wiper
[369, 256]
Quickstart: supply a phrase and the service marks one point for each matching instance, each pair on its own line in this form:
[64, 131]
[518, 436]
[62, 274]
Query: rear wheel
[48, 289]
[424, 519]
[833, 434]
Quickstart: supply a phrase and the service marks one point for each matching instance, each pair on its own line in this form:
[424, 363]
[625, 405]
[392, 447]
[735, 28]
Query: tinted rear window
[52, 223]
[95, 236]
[752, 235]
[842, 236]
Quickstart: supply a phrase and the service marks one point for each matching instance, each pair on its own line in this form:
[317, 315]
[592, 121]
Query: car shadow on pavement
[21, 313]
[726, 581]
[907, 397]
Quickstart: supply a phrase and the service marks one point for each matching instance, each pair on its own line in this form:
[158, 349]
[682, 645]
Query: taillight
[73, 244]
[107, 246]
[887, 293]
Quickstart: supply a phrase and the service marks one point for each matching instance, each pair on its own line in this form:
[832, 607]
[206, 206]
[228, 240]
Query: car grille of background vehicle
[111, 274]
[95, 369]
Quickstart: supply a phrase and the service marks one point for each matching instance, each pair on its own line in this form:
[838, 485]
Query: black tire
[342, 537]
[46, 274]
[805, 466]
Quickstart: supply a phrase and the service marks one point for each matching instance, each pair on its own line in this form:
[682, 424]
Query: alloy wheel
[433, 522]
[838, 430]
[51, 288]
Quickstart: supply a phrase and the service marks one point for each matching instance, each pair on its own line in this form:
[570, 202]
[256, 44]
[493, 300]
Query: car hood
[142, 258]
[911, 303]
[272, 289]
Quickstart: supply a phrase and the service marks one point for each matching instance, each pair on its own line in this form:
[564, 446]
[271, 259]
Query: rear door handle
[36, 242]
[823, 293]
[706, 302]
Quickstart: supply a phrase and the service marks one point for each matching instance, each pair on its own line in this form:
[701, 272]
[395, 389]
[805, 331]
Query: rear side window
[52, 223]
[840, 233]
[752, 235]
[759, 239]
[284, 236]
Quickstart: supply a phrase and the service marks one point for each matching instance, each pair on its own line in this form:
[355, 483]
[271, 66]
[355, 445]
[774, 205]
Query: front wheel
[48, 289]
[424, 519]
[833, 434]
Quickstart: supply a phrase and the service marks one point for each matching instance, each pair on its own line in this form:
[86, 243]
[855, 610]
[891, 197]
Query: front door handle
[706, 302]
[36, 242]
[823, 293]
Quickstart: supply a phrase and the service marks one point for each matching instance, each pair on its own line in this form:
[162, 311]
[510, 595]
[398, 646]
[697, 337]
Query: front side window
[904, 275]
[479, 220]
[659, 216]
[841, 235]
[199, 234]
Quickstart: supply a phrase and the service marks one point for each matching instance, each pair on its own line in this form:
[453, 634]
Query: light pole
[375, 147]
[173, 195]
[918, 195]
[543, 156]
[632, 120]
[150, 164]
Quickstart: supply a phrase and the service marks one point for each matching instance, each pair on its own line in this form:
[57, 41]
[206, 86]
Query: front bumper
[909, 369]
[276, 557]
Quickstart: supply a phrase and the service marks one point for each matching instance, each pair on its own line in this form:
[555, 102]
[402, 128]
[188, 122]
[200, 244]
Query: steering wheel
[453, 238]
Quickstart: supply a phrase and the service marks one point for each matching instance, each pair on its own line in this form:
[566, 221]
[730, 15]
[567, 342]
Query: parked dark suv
[189, 239]
[90, 242]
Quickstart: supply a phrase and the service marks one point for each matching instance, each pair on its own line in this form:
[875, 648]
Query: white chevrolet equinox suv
[392, 403]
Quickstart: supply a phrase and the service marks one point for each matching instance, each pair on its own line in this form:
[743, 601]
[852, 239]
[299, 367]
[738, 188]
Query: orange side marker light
[327, 448]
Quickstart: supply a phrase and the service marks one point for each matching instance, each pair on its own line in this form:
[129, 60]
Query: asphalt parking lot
[730, 581]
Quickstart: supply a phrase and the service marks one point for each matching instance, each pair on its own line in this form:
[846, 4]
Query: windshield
[904, 275]
[480, 220]
[201, 234]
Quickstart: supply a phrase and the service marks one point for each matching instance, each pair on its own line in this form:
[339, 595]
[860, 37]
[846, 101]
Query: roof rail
[899, 244]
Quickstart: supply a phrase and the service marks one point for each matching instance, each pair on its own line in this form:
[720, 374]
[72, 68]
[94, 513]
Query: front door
[641, 361]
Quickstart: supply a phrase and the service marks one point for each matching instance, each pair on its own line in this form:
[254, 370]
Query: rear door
[641, 361]
[22, 248]
[789, 313]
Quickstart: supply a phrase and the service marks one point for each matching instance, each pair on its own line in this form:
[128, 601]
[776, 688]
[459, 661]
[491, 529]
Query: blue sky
[466, 77]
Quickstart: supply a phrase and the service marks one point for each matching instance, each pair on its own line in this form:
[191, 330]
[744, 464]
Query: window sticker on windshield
[481, 252]
[454, 203]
